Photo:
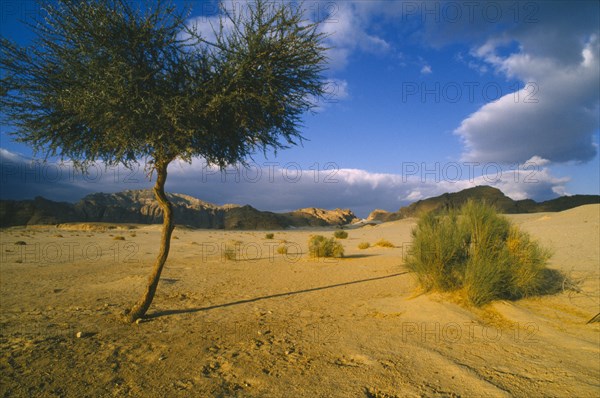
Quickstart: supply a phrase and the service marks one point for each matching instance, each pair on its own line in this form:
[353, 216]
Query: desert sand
[272, 325]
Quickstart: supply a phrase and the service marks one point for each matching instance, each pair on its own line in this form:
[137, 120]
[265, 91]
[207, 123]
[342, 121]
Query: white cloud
[346, 29]
[554, 115]
[281, 187]
[552, 49]
[426, 70]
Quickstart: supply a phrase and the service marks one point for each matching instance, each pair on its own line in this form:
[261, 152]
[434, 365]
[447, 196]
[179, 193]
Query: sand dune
[269, 325]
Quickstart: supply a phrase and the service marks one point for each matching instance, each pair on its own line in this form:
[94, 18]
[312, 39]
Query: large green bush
[479, 252]
[320, 246]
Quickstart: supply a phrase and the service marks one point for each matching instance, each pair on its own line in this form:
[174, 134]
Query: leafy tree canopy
[106, 80]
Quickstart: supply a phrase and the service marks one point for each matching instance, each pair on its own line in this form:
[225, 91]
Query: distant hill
[140, 207]
[491, 195]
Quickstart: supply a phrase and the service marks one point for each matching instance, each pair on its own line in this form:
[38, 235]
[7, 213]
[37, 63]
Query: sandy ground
[270, 325]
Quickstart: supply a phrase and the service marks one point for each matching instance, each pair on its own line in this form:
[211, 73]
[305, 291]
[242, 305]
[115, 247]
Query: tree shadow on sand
[359, 256]
[158, 314]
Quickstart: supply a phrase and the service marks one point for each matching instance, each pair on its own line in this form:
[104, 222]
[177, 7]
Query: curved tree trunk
[139, 309]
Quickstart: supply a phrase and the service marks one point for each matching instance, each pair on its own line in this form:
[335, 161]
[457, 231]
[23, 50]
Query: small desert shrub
[133, 234]
[175, 237]
[230, 253]
[119, 238]
[320, 246]
[364, 245]
[20, 243]
[231, 250]
[58, 236]
[283, 249]
[340, 234]
[479, 252]
[269, 236]
[384, 243]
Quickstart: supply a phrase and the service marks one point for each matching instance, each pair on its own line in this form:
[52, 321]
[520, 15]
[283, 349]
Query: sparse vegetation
[230, 251]
[340, 234]
[20, 243]
[269, 236]
[384, 243]
[119, 238]
[320, 246]
[478, 252]
[161, 91]
[364, 245]
[58, 236]
[283, 249]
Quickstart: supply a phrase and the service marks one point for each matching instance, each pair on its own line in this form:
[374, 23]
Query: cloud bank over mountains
[281, 187]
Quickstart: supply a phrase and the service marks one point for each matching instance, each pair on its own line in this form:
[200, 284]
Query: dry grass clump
[20, 243]
[230, 253]
[119, 238]
[478, 252]
[320, 246]
[340, 234]
[364, 245]
[269, 236]
[283, 249]
[384, 243]
[231, 250]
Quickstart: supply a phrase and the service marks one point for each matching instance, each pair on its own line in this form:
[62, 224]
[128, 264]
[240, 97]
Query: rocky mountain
[491, 195]
[139, 206]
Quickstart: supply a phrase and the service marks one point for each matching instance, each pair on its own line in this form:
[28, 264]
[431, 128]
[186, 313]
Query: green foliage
[364, 245]
[384, 243]
[479, 252]
[340, 234]
[320, 246]
[269, 236]
[110, 80]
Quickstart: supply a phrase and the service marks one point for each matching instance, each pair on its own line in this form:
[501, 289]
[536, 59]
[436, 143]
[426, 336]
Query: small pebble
[79, 335]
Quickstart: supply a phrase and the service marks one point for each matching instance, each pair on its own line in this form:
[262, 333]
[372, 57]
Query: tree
[108, 81]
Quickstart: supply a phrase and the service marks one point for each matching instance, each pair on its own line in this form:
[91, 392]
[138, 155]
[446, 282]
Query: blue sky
[425, 97]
